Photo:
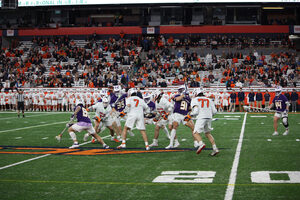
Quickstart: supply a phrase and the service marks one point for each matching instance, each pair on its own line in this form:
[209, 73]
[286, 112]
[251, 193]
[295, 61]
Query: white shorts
[41, 103]
[162, 122]
[54, 102]
[78, 128]
[280, 114]
[135, 119]
[176, 117]
[203, 126]
[2, 102]
[225, 102]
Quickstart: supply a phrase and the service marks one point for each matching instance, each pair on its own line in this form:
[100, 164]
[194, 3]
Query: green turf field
[93, 173]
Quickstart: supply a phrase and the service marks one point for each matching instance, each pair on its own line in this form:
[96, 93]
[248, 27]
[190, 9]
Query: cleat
[275, 133]
[176, 144]
[169, 147]
[105, 146]
[75, 145]
[122, 146]
[200, 148]
[86, 137]
[147, 148]
[93, 140]
[58, 137]
[131, 133]
[153, 144]
[214, 152]
[286, 132]
[116, 140]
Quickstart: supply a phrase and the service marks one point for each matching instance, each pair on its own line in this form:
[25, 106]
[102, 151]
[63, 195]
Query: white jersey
[136, 106]
[203, 107]
[164, 106]
[101, 112]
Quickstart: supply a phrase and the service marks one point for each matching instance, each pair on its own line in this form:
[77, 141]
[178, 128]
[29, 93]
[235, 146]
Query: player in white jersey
[59, 96]
[225, 100]
[54, 101]
[163, 109]
[136, 108]
[203, 109]
[65, 102]
[2, 100]
[35, 100]
[103, 118]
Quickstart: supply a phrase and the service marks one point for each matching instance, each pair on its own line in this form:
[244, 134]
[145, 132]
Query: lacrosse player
[136, 108]
[281, 104]
[164, 109]
[181, 109]
[203, 109]
[103, 118]
[83, 123]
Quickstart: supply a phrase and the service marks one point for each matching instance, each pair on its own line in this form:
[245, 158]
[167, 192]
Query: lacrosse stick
[58, 137]
[247, 108]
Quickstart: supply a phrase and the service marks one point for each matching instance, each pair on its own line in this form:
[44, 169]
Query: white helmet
[197, 91]
[181, 89]
[278, 90]
[79, 101]
[105, 101]
[147, 98]
[103, 93]
[131, 91]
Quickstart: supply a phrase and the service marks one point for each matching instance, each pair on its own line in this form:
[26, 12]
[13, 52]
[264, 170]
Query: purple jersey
[182, 106]
[82, 115]
[118, 103]
[151, 105]
[280, 102]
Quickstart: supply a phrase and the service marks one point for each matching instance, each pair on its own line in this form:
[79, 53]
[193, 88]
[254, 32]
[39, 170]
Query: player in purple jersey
[281, 104]
[83, 123]
[182, 103]
[150, 116]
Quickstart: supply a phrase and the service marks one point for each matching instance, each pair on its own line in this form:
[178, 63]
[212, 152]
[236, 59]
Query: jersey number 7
[137, 102]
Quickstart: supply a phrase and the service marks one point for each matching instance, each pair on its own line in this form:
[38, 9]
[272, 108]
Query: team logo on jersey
[79, 151]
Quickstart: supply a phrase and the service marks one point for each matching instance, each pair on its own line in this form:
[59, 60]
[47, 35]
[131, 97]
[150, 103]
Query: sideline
[233, 173]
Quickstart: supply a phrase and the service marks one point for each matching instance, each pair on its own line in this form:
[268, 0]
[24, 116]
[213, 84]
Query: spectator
[251, 97]
[267, 99]
[258, 98]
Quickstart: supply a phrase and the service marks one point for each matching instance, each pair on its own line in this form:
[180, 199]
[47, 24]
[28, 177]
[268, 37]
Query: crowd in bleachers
[146, 62]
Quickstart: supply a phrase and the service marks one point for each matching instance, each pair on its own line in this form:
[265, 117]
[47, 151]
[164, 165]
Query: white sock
[72, 135]
[155, 141]
[166, 131]
[200, 143]
[176, 141]
[124, 142]
[214, 147]
[146, 144]
[172, 137]
[195, 142]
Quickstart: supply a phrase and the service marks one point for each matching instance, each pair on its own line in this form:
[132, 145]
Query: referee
[20, 102]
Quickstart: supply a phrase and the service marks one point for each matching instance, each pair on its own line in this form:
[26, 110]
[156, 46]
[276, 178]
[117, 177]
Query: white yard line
[233, 173]
[43, 156]
[28, 127]
[28, 116]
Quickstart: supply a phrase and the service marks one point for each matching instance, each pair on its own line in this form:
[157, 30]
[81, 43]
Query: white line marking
[269, 140]
[258, 116]
[17, 129]
[31, 159]
[28, 116]
[297, 140]
[232, 116]
[24, 161]
[45, 138]
[18, 138]
[233, 173]
[183, 139]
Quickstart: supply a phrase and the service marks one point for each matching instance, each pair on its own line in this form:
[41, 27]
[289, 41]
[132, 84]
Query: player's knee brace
[285, 122]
